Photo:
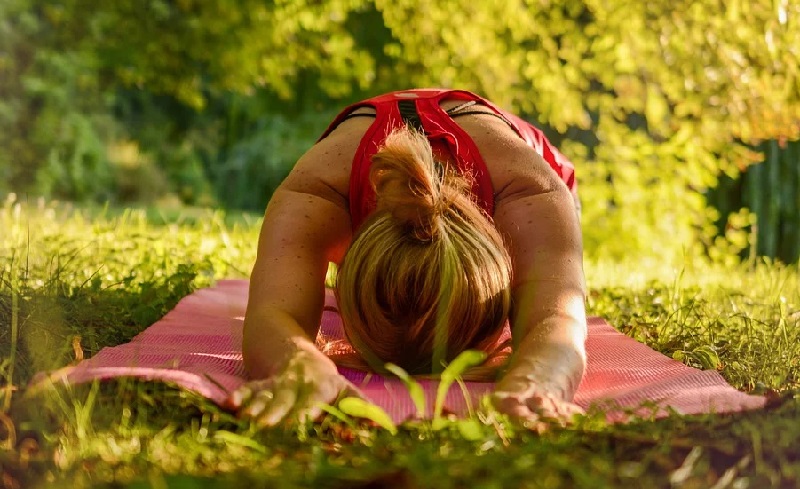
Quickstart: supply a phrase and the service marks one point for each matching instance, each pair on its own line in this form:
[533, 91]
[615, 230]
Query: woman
[439, 238]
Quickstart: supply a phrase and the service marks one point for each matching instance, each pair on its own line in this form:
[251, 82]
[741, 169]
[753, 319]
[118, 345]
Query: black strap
[408, 111]
[476, 112]
[481, 112]
[453, 110]
[360, 114]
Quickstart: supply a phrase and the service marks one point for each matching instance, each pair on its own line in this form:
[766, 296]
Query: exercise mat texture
[197, 346]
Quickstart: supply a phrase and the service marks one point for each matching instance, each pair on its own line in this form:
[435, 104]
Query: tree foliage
[186, 47]
[653, 100]
[51, 138]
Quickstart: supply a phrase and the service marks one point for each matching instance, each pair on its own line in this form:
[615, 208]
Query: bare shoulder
[324, 170]
[514, 167]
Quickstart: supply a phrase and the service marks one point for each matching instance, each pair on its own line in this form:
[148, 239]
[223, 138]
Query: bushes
[253, 166]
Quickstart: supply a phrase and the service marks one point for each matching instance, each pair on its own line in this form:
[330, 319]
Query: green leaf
[414, 388]
[359, 408]
[463, 362]
[337, 413]
[235, 439]
[439, 423]
[707, 357]
[656, 108]
[470, 429]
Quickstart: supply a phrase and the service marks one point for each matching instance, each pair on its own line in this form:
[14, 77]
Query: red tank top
[449, 142]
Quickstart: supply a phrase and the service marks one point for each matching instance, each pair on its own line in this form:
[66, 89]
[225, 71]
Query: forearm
[287, 285]
[271, 339]
[548, 316]
[552, 355]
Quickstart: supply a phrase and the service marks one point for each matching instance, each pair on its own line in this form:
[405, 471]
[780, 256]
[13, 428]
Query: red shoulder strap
[535, 138]
[448, 139]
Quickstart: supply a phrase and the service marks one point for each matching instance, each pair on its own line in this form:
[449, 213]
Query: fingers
[256, 404]
[271, 402]
[570, 409]
[239, 397]
[268, 408]
[281, 405]
[536, 412]
[513, 407]
[552, 407]
[518, 411]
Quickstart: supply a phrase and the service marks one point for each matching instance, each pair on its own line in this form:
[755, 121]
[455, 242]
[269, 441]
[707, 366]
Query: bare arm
[548, 316]
[537, 216]
[302, 232]
[306, 226]
[535, 212]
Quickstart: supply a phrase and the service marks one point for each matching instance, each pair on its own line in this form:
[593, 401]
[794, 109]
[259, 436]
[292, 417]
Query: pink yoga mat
[197, 345]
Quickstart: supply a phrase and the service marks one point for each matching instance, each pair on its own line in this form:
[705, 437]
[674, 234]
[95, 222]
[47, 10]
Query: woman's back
[329, 164]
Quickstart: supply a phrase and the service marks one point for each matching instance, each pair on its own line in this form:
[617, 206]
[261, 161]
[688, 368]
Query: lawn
[76, 280]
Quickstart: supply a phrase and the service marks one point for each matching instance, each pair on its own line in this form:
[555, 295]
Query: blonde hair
[428, 275]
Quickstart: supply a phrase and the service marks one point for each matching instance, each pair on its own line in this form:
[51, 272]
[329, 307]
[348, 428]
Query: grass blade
[359, 408]
[463, 362]
[414, 388]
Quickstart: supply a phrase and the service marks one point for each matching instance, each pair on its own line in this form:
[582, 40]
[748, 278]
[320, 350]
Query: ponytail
[417, 190]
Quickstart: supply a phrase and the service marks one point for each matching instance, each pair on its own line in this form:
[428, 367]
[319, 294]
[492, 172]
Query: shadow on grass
[50, 327]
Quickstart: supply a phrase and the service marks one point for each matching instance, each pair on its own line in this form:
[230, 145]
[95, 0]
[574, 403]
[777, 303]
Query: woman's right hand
[297, 393]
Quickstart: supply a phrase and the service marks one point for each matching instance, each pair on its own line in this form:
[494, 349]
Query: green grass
[73, 281]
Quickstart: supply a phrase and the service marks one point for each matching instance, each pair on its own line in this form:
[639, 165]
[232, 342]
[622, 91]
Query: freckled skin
[535, 213]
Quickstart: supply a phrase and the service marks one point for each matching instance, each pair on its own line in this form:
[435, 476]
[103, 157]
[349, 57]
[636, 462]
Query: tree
[51, 137]
[654, 100]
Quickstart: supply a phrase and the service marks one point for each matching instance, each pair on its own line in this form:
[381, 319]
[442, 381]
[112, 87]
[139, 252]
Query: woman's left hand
[525, 400]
